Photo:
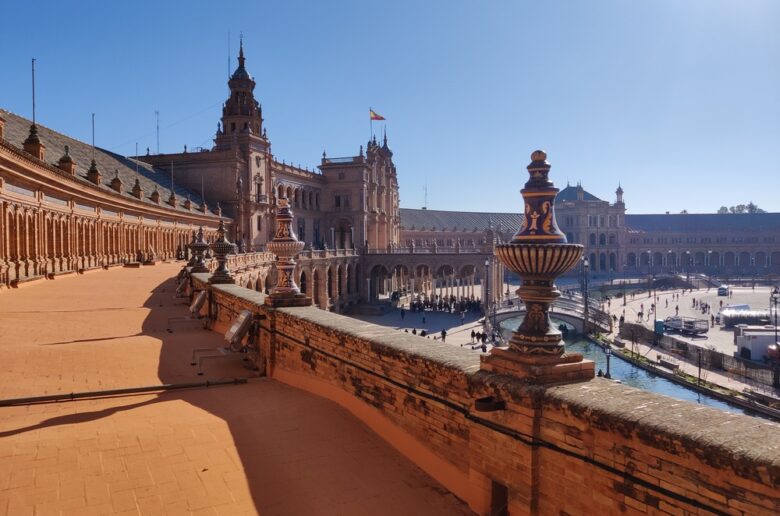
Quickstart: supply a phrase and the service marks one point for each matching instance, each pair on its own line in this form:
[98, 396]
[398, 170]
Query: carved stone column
[538, 253]
[286, 247]
[221, 248]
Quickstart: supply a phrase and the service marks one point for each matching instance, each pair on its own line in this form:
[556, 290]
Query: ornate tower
[619, 194]
[241, 113]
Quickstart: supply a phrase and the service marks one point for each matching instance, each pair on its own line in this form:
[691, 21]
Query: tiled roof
[570, 194]
[690, 222]
[459, 220]
[17, 129]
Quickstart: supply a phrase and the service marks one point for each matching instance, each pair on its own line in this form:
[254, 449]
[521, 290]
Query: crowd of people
[422, 304]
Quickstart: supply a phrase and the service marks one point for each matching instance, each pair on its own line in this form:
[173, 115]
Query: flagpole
[370, 125]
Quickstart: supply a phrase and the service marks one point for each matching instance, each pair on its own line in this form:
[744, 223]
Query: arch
[289, 193]
[296, 198]
[592, 239]
[602, 239]
[774, 261]
[612, 262]
[612, 239]
[760, 260]
[715, 259]
[339, 281]
[267, 283]
[467, 271]
[698, 258]
[329, 281]
[280, 192]
[658, 260]
[729, 259]
[631, 260]
[744, 260]
[592, 262]
[602, 261]
[377, 284]
[644, 259]
[671, 260]
[316, 277]
[303, 283]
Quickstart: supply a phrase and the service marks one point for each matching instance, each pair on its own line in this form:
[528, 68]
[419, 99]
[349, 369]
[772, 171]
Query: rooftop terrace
[240, 449]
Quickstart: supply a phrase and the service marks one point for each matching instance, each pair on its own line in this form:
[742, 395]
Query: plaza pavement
[718, 338]
[261, 447]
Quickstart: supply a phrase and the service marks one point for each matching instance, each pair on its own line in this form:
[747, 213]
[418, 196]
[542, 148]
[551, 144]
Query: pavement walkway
[718, 338]
[261, 447]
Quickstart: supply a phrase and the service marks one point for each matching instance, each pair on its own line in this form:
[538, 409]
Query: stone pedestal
[538, 253]
[286, 247]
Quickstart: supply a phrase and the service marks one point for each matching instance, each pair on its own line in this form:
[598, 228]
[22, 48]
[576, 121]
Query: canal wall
[595, 447]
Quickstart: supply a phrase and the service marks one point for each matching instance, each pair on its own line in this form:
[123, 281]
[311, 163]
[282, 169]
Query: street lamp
[624, 284]
[608, 352]
[486, 293]
[585, 266]
[688, 266]
[775, 298]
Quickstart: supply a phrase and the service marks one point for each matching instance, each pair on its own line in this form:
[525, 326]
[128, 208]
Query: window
[302, 230]
[337, 201]
[346, 201]
[259, 223]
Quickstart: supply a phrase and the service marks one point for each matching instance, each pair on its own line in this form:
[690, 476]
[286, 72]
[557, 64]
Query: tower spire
[241, 50]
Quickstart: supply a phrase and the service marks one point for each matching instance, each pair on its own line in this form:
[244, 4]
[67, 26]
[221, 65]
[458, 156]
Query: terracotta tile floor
[262, 447]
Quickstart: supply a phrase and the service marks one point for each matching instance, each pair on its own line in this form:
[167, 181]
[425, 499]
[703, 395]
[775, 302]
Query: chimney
[93, 174]
[116, 183]
[66, 163]
[33, 144]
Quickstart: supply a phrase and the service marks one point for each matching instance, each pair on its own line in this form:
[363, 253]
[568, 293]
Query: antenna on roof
[157, 114]
[33, 89]
[93, 136]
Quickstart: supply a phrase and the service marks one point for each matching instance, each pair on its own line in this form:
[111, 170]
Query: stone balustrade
[594, 447]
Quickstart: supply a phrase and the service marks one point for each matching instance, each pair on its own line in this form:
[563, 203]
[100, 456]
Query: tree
[684, 212]
[741, 208]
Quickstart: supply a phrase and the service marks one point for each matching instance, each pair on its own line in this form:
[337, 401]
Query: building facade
[349, 202]
[618, 243]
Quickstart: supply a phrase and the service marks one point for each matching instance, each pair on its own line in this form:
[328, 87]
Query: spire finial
[241, 50]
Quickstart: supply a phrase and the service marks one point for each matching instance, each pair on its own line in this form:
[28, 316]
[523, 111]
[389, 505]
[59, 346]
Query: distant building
[616, 242]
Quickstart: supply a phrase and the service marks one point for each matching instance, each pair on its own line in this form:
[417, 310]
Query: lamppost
[624, 284]
[608, 352]
[586, 308]
[709, 268]
[688, 266]
[775, 298]
[485, 294]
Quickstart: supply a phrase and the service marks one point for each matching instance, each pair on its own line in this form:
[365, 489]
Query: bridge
[569, 309]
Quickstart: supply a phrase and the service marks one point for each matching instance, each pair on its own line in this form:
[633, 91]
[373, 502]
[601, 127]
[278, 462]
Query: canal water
[630, 374]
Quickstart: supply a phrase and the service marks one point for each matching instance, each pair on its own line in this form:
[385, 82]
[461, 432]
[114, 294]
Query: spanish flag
[374, 115]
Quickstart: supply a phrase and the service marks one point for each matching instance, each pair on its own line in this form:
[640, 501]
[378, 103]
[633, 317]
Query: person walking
[472, 336]
[403, 313]
[443, 334]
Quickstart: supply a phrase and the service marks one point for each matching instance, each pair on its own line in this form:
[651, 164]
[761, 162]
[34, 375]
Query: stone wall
[589, 448]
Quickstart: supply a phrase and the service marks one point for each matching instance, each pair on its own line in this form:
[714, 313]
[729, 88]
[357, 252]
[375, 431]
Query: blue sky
[679, 101]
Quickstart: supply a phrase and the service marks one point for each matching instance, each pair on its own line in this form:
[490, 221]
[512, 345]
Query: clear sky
[679, 101]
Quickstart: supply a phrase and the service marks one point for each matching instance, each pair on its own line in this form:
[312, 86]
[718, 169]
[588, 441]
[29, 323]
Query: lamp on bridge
[774, 297]
[538, 253]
